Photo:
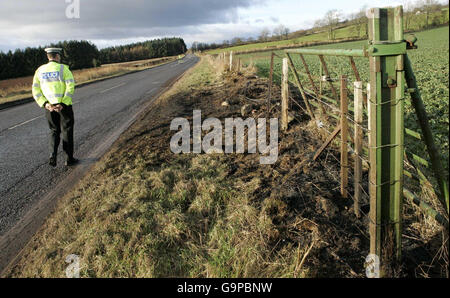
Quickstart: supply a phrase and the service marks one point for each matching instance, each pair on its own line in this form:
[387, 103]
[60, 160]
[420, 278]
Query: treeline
[143, 50]
[20, 63]
[417, 15]
[84, 54]
[280, 32]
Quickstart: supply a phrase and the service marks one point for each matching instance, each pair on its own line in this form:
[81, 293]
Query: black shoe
[72, 161]
[52, 161]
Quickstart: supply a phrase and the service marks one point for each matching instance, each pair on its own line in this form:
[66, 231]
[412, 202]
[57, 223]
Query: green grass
[323, 36]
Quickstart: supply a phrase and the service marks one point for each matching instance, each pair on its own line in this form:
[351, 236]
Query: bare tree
[429, 6]
[408, 13]
[264, 36]
[363, 21]
[195, 46]
[236, 41]
[281, 32]
[331, 21]
[286, 32]
[318, 23]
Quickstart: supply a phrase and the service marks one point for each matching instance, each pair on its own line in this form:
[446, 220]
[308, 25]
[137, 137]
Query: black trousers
[61, 122]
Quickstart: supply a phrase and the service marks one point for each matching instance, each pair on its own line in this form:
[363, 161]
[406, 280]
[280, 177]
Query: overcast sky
[111, 22]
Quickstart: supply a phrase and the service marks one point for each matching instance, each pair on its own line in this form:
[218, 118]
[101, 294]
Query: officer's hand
[58, 108]
[49, 107]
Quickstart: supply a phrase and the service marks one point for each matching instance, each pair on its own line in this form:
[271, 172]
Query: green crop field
[345, 32]
[431, 67]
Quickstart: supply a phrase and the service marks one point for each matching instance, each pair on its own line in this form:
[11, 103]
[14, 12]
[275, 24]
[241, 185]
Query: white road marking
[150, 91]
[112, 88]
[156, 82]
[28, 121]
[23, 123]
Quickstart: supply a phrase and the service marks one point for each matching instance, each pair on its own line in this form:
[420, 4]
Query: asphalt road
[101, 109]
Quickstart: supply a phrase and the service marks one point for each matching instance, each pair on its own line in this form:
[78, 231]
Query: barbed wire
[334, 109]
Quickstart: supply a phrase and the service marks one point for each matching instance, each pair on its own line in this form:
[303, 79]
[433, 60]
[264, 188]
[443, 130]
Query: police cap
[53, 50]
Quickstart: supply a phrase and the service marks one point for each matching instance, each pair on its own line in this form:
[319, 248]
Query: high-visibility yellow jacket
[54, 83]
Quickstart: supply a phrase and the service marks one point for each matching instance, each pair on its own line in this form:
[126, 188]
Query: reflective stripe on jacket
[54, 83]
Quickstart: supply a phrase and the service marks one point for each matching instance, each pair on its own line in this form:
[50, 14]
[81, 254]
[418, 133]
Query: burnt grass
[309, 200]
[299, 189]
[301, 196]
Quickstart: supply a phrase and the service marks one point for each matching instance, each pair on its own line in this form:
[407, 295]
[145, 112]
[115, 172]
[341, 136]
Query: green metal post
[386, 105]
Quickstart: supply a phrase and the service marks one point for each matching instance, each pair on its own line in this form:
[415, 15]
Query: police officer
[53, 89]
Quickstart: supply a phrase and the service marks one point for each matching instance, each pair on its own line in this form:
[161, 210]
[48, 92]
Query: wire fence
[321, 93]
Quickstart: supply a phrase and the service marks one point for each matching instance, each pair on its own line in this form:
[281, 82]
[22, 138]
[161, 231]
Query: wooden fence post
[327, 73]
[284, 95]
[231, 60]
[269, 97]
[357, 76]
[344, 137]
[321, 81]
[358, 138]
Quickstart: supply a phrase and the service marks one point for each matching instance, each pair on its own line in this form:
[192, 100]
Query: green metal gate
[391, 80]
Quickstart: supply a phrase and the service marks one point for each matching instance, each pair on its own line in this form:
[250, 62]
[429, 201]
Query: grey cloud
[119, 13]
[275, 20]
[112, 19]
